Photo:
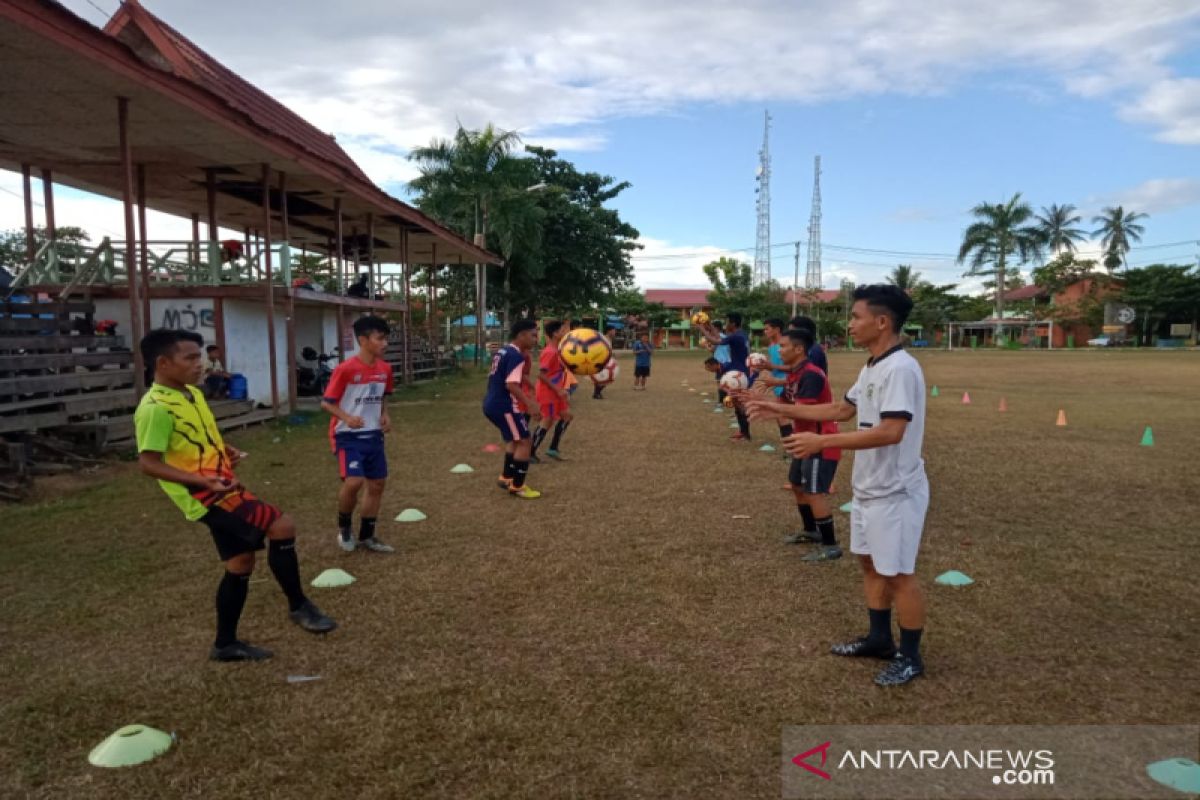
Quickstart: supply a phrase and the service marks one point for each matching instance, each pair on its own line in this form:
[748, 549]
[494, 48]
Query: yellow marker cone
[1062, 419]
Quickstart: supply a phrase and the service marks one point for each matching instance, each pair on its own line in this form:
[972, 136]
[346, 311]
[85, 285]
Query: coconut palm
[1000, 232]
[1055, 224]
[1119, 228]
[905, 277]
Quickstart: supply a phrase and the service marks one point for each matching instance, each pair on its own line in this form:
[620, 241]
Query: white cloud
[1173, 106]
[662, 265]
[1155, 196]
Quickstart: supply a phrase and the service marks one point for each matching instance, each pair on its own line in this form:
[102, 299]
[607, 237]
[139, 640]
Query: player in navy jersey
[738, 346]
[506, 403]
[816, 353]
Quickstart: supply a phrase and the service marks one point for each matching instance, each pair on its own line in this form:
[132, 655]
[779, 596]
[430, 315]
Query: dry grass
[624, 636]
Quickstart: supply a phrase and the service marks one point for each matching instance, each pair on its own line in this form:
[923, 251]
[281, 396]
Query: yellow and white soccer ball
[700, 318]
[757, 361]
[585, 351]
[609, 373]
[734, 381]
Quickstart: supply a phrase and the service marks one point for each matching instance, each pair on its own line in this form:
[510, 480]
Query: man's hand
[385, 424]
[219, 485]
[354, 422]
[803, 445]
[759, 409]
[234, 455]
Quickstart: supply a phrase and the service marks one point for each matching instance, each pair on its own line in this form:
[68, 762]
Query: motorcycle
[311, 381]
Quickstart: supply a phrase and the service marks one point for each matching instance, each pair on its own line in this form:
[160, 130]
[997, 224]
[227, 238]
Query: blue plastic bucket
[238, 388]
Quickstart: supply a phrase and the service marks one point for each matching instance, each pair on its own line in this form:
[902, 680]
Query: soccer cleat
[557, 456]
[239, 651]
[899, 671]
[533, 459]
[802, 537]
[503, 482]
[525, 493]
[825, 553]
[376, 546]
[863, 647]
[739, 437]
[309, 617]
[346, 541]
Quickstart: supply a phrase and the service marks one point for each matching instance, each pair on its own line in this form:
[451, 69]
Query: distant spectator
[361, 287]
[216, 379]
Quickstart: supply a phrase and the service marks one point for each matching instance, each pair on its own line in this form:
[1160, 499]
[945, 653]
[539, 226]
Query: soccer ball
[700, 318]
[734, 381]
[609, 373]
[757, 361]
[584, 351]
[728, 402]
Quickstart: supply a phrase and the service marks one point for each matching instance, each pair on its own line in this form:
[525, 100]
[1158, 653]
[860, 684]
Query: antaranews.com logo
[1008, 767]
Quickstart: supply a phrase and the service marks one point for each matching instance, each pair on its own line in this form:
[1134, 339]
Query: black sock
[539, 436]
[881, 625]
[231, 599]
[825, 528]
[366, 528]
[559, 430]
[785, 430]
[508, 467]
[285, 566]
[743, 422]
[810, 521]
[520, 470]
[344, 523]
[910, 643]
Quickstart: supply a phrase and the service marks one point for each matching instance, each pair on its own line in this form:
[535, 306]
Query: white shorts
[888, 529]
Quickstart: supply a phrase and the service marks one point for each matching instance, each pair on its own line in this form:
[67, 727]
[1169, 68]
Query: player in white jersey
[891, 492]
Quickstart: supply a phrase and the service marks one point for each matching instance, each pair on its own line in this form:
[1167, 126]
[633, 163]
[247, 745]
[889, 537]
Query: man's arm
[710, 333]
[152, 464]
[518, 391]
[334, 410]
[888, 432]
[760, 408]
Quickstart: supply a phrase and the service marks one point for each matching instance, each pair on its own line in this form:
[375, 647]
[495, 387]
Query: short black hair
[801, 338]
[210, 348]
[551, 327]
[520, 326]
[774, 322]
[711, 360]
[365, 326]
[885, 298]
[735, 317]
[162, 342]
[803, 323]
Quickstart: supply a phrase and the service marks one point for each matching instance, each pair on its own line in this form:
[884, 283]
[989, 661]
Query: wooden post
[195, 239]
[210, 189]
[290, 320]
[219, 324]
[135, 322]
[370, 256]
[48, 193]
[144, 245]
[406, 320]
[270, 293]
[341, 276]
[27, 191]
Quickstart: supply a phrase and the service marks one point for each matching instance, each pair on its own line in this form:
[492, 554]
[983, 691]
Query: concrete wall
[248, 351]
[189, 314]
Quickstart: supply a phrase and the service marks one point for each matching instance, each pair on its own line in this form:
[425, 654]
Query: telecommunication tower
[812, 279]
[762, 244]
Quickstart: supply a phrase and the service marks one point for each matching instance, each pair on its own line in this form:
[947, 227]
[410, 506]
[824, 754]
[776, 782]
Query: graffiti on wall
[183, 317]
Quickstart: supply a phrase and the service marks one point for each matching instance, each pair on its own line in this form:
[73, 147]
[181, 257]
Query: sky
[919, 111]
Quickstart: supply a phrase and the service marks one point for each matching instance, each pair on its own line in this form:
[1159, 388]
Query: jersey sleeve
[853, 392]
[809, 388]
[337, 384]
[901, 395]
[512, 369]
[154, 428]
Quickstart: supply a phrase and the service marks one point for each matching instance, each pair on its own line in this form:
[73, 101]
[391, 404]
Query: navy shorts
[361, 456]
[812, 475]
[512, 424]
[641, 372]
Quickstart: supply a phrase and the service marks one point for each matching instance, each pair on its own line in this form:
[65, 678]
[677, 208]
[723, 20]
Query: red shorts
[551, 406]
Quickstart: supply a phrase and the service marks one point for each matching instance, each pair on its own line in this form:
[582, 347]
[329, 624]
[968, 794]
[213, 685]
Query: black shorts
[243, 530]
[641, 372]
[812, 475]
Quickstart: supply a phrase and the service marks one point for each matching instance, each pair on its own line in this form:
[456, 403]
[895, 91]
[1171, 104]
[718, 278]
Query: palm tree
[1055, 224]
[1119, 228]
[905, 277]
[1001, 230]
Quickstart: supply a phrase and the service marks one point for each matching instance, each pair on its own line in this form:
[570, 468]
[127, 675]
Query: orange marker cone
[966, 398]
[1003, 405]
[1062, 419]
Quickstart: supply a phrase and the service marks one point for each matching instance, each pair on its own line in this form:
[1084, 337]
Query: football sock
[285, 566]
[509, 469]
[910, 643]
[743, 422]
[806, 514]
[344, 524]
[231, 599]
[559, 430]
[539, 436]
[881, 625]
[520, 470]
[786, 430]
[825, 528]
[366, 529]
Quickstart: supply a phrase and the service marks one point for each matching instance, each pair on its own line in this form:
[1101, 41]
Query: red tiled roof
[191, 63]
[678, 298]
[1030, 292]
[823, 296]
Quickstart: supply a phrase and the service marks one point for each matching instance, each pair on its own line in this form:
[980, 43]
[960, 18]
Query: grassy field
[627, 635]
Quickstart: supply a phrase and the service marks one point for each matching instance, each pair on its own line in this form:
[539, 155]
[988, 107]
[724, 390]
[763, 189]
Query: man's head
[172, 357]
[712, 365]
[773, 329]
[879, 311]
[794, 346]
[804, 323]
[733, 321]
[555, 330]
[213, 351]
[523, 334]
[645, 337]
[372, 335]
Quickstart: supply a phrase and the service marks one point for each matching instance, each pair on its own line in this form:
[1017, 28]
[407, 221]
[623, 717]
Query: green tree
[905, 277]
[1056, 225]
[1001, 231]
[733, 290]
[1120, 229]
[1163, 292]
[13, 255]
[1063, 271]
[729, 275]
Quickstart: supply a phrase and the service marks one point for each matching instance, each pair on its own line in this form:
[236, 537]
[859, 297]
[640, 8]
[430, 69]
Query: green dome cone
[1178, 773]
[332, 578]
[953, 578]
[847, 507]
[133, 744]
[411, 515]
[462, 469]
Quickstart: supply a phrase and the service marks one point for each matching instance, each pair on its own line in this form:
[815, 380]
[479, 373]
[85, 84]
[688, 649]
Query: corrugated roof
[181, 56]
[678, 298]
[1029, 292]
